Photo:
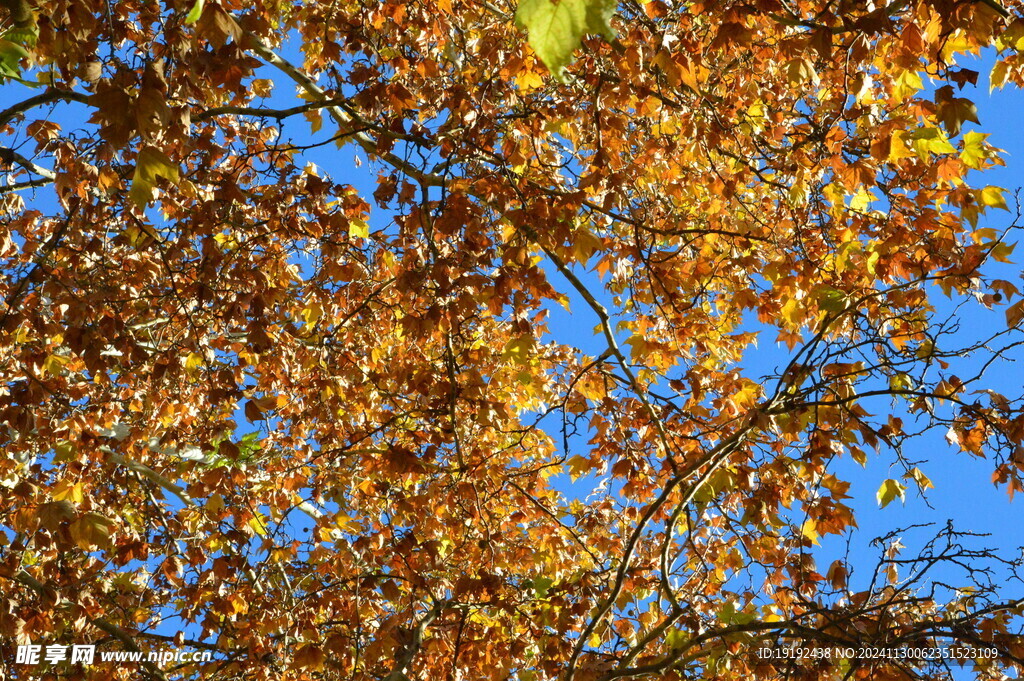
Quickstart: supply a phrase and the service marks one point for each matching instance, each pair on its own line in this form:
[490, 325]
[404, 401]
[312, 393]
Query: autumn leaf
[325, 404]
[358, 229]
[889, 490]
[974, 152]
[954, 111]
[519, 349]
[309, 656]
[91, 531]
[992, 197]
[922, 480]
[150, 165]
[809, 531]
[1014, 314]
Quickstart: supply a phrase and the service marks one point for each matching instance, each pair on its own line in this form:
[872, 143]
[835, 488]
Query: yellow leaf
[900, 381]
[528, 80]
[311, 314]
[861, 200]
[800, 70]
[899, 149]
[193, 361]
[578, 466]
[91, 530]
[791, 312]
[992, 196]
[920, 478]
[746, 396]
[585, 244]
[345, 523]
[906, 85]
[928, 141]
[999, 76]
[797, 194]
[889, 490]
[518, 349]
[358, 229]
[54, 364]
[871, 262]
[257, 525]
[69, 491]
[150, 165]
[262, 87]
[810, 530]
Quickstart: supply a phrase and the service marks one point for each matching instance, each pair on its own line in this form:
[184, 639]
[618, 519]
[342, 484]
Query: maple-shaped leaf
[556, 29]
[954, 111]
[150, 165]
[92, 530]
[889, 490]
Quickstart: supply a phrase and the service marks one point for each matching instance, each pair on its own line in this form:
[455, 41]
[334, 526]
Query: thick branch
[50, 95]
[103, 625]
[405, 654]
[11, 157]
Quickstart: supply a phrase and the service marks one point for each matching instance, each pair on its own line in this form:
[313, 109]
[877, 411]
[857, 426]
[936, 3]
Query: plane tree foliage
[251, 406]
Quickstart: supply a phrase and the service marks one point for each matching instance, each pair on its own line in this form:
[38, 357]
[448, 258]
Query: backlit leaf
[889, 490]
[556, 29]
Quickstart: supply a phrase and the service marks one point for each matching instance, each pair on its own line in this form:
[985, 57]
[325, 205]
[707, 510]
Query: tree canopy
[322, 428]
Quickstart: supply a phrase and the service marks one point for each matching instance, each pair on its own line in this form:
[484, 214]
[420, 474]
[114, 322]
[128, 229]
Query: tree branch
[103, 625]
[344, 119]
[50, 95]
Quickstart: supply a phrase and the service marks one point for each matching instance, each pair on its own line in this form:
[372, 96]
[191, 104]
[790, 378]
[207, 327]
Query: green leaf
[195, 12]
[557, 29]
[26, 35]
[974, 151]
[676, 639]
[889, 490]
[830, 299]
[249, 446]
[541, 585]
[11, 54]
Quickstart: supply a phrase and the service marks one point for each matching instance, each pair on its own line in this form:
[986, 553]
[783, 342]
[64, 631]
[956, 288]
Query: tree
[324, 433]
